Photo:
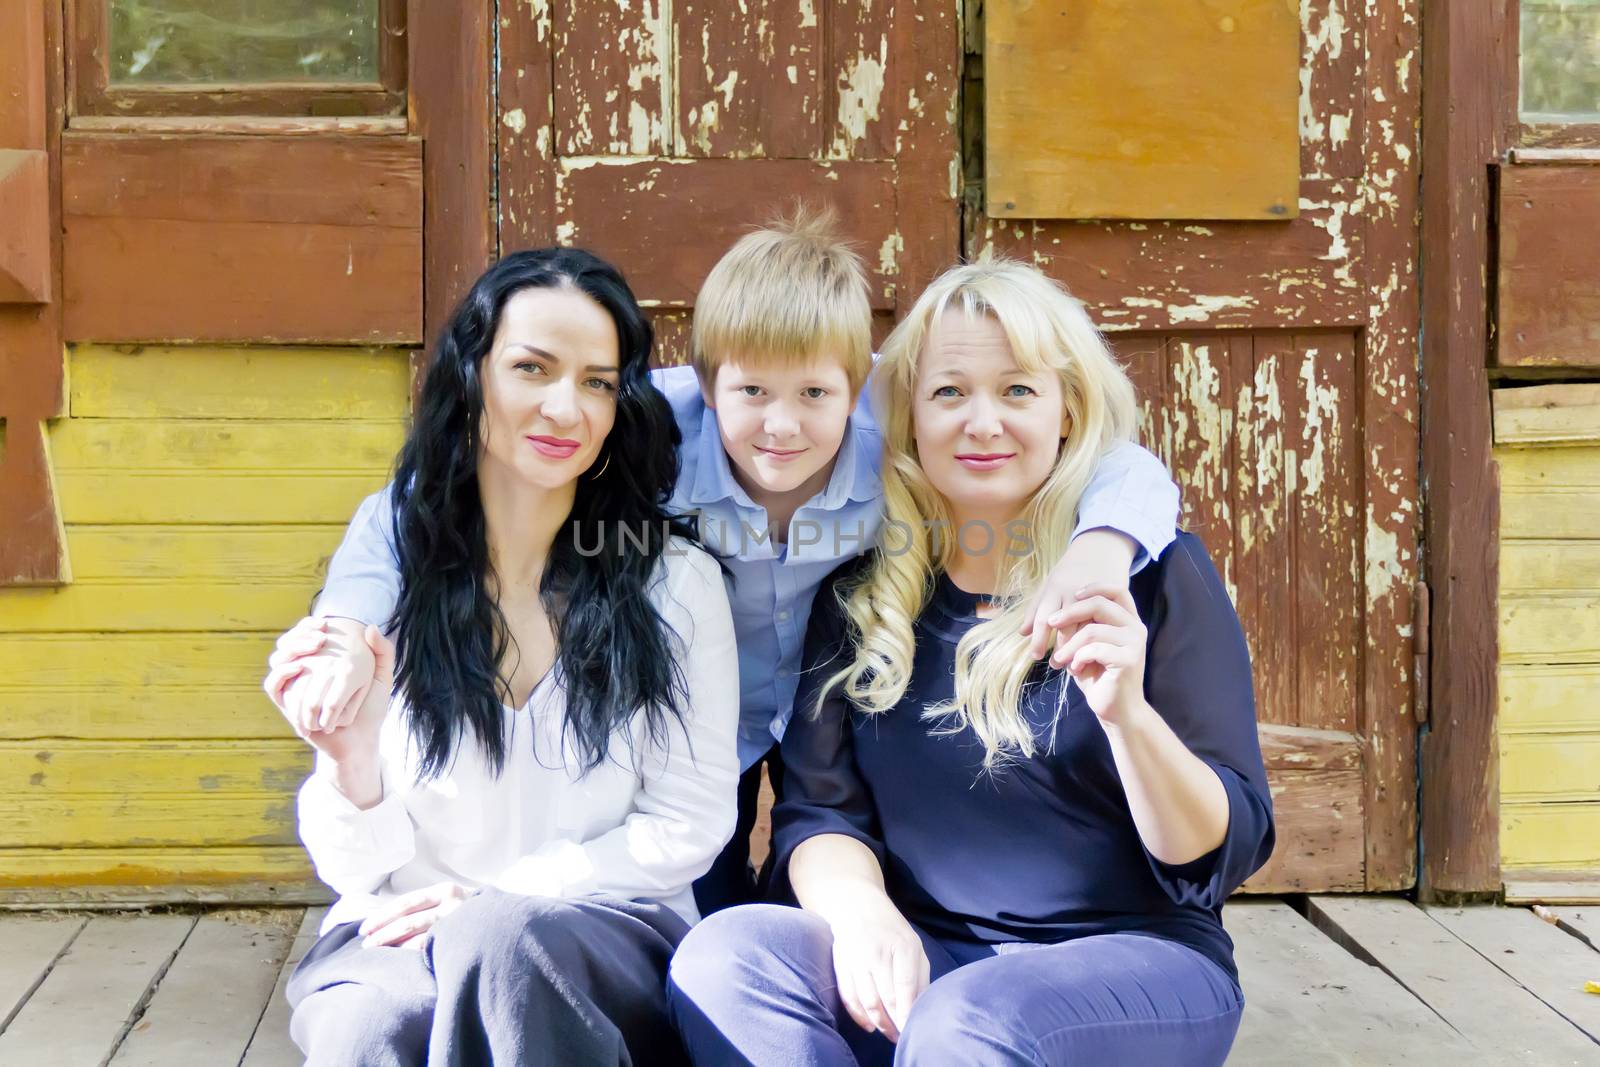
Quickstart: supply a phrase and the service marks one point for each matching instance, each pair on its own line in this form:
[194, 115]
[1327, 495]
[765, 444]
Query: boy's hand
[1100, 557]
[351, 749]
[319, 674]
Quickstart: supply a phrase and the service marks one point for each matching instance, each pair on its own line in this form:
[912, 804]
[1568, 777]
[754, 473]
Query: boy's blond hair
[787, 293]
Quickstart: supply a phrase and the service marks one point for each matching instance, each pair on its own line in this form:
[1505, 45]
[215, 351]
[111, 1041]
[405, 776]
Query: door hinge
[1420, 604]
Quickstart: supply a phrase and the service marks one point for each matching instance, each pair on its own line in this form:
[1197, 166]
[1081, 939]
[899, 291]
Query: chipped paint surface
[860, 91]
[1319, 424]
[1202, 306]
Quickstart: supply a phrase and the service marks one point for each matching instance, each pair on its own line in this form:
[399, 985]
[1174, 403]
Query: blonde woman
[997, 860]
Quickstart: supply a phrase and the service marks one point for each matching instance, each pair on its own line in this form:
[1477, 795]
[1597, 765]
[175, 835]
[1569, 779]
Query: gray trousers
[505, 980]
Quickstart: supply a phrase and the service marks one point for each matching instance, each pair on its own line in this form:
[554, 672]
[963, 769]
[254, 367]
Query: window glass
[1560, 61]
[199, 42]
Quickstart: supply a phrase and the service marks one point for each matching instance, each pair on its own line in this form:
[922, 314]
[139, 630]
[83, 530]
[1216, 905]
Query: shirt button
[783, 672]
[783, 616]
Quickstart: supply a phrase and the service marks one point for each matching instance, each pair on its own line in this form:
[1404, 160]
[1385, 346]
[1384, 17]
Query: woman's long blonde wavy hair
[1048, 332]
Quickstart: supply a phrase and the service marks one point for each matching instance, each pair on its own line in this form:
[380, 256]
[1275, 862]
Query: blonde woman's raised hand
[319, 673]
[1106, 654]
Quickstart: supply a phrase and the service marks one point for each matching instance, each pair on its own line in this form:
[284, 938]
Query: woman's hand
[406, 921]
[879, 962]
[1098, 557]
[1106, 654]
[319, 674]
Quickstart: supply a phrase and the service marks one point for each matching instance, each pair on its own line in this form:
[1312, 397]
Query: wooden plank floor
[1363, 981]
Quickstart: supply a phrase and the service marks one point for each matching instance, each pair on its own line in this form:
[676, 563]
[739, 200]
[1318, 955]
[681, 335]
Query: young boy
[780, 463]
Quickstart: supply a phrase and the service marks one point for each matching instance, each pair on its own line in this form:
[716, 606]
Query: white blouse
[642, 826]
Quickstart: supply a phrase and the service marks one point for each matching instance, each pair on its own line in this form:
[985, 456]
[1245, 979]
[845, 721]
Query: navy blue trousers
[755, 985]
[503, 980]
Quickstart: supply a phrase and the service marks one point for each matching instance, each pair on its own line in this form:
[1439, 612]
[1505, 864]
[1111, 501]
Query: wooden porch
[1361, 980]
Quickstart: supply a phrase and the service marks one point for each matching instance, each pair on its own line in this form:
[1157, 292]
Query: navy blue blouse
[1043, 849]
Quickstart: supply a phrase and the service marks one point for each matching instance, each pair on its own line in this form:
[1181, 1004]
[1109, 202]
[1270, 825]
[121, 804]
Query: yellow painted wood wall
[203, 491]
[1547, 443]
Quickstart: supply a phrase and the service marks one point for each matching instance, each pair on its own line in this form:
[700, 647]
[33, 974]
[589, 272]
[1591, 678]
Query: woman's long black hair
[614, 651]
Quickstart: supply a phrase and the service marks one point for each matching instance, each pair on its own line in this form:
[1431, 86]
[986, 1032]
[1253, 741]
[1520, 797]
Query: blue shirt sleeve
[364, 575]
[823, 792]
[1132, 493]
[1197, 677]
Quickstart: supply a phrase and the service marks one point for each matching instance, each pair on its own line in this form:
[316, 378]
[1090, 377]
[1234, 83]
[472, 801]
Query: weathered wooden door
[1276, 362]
[657, 132]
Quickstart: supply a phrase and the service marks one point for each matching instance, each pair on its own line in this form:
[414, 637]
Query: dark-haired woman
[513, 833]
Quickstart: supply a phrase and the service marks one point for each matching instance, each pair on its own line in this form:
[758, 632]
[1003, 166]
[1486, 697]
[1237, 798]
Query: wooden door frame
[451, 71]
[1465, 82]
[32, 356]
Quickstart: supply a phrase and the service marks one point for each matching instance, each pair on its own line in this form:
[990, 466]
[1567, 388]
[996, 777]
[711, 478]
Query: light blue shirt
[770, 588]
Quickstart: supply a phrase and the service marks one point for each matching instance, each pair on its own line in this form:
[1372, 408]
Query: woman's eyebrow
[535, 349]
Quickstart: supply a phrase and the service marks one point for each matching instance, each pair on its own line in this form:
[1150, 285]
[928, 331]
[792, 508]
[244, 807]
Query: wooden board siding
[1201, 126]
[244, 238]
[1547, 442]
[203, 491]
[1548, 297]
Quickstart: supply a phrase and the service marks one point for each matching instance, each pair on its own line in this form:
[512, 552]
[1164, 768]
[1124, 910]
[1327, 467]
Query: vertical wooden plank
[748, 85]
[32, 540]
[1327, 532]
[1462, 133]
[33, 943]
[212, 996]
[271, 1047]
[1268, 420]
[613, 78]
[1144, 356]
[451, 112]
[83, 1009]
[925, 38]
[1200, 417]
[1333, 50]
[1388, 415]
[526, 128]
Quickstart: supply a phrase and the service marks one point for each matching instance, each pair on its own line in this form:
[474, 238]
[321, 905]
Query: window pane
[197, 42]
[1560, 60]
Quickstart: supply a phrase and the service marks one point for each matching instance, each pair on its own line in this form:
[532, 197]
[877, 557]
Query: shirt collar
[713, 475]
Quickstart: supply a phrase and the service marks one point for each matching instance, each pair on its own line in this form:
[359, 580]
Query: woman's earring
[602, 469]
